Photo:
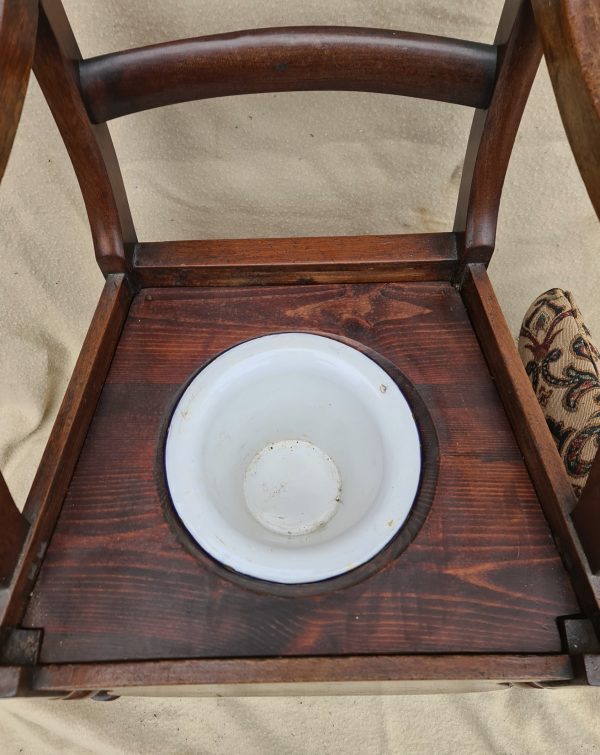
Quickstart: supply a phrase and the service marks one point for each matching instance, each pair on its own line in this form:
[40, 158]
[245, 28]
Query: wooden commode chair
[490, 581]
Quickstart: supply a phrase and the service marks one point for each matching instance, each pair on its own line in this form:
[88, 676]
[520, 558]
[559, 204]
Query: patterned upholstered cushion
[564, 368]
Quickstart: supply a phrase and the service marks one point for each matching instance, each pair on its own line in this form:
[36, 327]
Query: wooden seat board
[482, 576]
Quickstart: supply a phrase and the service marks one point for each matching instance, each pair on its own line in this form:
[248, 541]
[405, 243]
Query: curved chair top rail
[18, 25]
[304, 58]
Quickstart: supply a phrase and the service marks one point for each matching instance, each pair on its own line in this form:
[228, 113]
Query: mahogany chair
[102, 593]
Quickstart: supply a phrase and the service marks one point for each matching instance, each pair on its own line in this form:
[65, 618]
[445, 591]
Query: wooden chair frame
[83, 95]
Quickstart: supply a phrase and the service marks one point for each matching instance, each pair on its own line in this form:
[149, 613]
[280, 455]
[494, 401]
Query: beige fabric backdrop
[281, 164]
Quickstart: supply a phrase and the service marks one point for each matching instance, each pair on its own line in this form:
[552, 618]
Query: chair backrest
[84, 94]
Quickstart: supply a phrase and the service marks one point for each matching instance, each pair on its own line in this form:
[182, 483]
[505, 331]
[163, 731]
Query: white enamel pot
[292, 458]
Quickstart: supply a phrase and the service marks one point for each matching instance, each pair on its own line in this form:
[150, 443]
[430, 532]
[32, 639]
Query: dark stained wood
[530, 428]
[586, 517]
[476, 586]
[245, 671]
[12, 533]
[89, 146]
[570, 32]
[288, 59]
[66, 439]
[18, 23]
[335, 259]
[482, 575]
[493, 134]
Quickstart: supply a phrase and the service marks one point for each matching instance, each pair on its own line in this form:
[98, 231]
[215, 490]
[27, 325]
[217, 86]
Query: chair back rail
[272, 261]
[493, 134]
[89, 145]
[288, 59]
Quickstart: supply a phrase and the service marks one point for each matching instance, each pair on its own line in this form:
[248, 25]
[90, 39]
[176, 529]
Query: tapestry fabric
[564, 368]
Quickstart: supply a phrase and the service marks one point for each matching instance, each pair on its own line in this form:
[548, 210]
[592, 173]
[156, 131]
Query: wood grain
[333, 259]
[570, 32]
[343, 670]
[539, 450]
[288, 59]
[493, 134]
[18, 24]
[52, 479]
[586, 517]
[89, 146]
[103, 570]
[482, 576]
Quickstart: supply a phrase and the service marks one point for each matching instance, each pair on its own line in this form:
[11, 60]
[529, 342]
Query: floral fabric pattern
[564, 368]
